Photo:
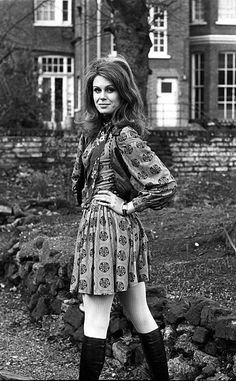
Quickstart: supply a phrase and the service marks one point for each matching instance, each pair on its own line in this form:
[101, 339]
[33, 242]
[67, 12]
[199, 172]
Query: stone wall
[186, 152]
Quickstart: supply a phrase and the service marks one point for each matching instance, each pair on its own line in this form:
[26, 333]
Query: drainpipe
[98, 28]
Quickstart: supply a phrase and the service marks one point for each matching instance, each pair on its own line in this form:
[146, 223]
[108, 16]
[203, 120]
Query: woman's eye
[110, 89]
[96, 90]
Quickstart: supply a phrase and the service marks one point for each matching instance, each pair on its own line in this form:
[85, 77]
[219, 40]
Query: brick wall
[194, 152]
[185, 152]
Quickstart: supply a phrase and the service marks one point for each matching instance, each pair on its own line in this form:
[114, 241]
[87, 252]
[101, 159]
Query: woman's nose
[103, 94]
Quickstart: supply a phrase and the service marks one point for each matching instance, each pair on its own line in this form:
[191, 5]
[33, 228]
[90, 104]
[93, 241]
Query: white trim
[161, 31]
[58, 20]
[159, 55]
[214, 39]
[195, 12]
[196, 22]
[226, 21]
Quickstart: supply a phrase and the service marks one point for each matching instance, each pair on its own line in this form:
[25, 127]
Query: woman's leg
[135, 306]
[97, 310]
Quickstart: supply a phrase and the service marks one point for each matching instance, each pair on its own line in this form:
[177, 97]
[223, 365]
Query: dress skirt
[111, 252]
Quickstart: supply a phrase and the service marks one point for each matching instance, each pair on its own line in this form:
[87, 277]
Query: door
[167, 102]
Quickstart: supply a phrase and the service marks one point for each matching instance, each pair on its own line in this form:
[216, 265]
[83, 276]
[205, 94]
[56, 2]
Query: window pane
[166, 87]
[221, 77]
[229, 61]
[226, 9]
[230, 77]
[221, 61]
[65, 10]
[229, 94]
[221, 94]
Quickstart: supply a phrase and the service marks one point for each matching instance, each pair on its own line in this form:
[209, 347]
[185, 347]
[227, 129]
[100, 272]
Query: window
[53, 12]
[197, 106]
[227, 86]
[56, 86]
[197, 11]
[158, 35]
[54, 64]
[226, 12]
[113, 51]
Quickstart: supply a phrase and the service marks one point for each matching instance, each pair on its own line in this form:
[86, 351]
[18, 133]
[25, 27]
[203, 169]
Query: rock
[219, 377]
[234, 365]
[169, 335]
[201, 359]
[14, 279]
[226, 327]
[210, 315]
[5, 375]
[5, 210]
[193, 315]
[209, 370]
[73, 316]
[185, 328]
[181, 369]
[122, 352]
[58, 249]
[156, 305]
[211, 348]
[78, 334]
[117, 324]
[200, 335]
[41, 308]
[156, 291]
[184, 344]
[30, 250]
[56, 306]
[176, 310]
[33, 302]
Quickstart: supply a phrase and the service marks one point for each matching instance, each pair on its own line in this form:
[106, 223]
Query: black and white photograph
[118, 190]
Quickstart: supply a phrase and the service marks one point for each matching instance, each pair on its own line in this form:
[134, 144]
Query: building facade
[192, 59]
[168, 85]
[213, 61]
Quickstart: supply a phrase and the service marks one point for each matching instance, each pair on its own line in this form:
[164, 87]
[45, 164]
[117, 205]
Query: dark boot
[154, 350]
[92, 358]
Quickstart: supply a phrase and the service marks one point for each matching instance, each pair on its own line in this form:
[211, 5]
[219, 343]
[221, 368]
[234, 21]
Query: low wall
[186, 152]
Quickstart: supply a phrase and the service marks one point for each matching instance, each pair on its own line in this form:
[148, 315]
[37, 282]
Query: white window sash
[197, 11]
[228, 114]
[58, 14]
[161, 32]
[226, 12]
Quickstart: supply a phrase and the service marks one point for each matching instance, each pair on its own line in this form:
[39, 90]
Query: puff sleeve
[77, 177]
[149, 176]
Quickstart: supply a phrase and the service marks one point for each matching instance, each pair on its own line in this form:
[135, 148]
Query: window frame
[161, 32]
[198, 12]
[226, 12]
[59, 12]
[227, 71]
[197, 85]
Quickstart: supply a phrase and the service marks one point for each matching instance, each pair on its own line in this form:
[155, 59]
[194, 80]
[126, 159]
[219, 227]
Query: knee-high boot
[154, 351]
[92, 358]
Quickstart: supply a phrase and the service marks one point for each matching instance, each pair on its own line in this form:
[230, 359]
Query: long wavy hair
[130, 112]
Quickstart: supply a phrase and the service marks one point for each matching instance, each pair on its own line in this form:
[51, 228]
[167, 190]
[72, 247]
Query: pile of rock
[199, 334]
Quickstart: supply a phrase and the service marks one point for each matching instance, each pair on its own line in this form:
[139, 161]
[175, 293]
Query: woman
[115, 175]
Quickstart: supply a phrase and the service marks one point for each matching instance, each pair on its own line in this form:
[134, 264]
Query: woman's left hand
[107, 198]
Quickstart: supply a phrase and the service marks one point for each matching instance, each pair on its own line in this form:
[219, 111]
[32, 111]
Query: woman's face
[105, 95]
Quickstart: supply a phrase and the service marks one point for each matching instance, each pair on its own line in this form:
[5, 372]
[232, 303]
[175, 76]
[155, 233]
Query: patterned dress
[112, 251]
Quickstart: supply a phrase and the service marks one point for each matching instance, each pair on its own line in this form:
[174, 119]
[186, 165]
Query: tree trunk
[131, 33]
